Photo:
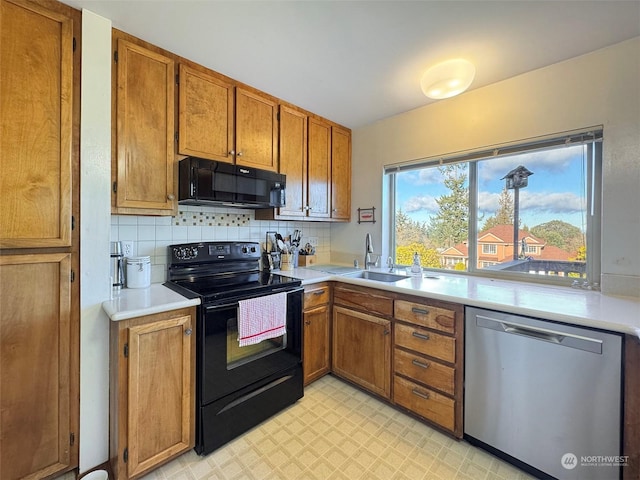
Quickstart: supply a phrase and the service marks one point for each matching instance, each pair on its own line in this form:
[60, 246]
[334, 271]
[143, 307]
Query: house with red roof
[495, 246]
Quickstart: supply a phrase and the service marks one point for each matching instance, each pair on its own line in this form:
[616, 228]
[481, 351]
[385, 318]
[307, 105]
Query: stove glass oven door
[224, 367]
[237, 355]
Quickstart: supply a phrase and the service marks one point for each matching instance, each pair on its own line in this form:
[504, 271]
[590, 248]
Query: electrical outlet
[127, 248]
[313, 241]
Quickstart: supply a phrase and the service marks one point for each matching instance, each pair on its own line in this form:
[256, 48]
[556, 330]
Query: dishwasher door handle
[564, 339]
[537, 333]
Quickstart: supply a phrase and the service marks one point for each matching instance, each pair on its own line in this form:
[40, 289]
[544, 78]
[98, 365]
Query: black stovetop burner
[219, 270]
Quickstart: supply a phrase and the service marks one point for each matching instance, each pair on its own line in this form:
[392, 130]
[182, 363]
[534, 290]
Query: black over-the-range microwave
[207, 182]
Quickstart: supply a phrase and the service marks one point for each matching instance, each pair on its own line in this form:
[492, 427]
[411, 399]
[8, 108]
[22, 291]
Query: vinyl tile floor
[338, 432]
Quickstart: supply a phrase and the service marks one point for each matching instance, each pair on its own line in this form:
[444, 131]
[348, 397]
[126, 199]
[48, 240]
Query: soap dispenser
[416, 269]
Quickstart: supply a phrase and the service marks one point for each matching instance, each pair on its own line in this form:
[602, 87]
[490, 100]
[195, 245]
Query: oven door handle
[209, 308]
[286, 289]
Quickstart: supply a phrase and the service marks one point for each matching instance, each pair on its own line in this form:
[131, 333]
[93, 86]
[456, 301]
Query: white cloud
[488, 202]
[424, 176]
[552, 202]
[545, 161]
[563, 202]
[420, 203]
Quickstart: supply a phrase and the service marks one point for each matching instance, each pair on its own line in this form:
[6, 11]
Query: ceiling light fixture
[448, 79]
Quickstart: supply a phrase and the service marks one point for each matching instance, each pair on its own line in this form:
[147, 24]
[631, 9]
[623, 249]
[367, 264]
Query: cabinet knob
[239, 154]
[387, 332]
[334, 210]
[307, 322]
[171, 196]
[232, 152]
[188, 331]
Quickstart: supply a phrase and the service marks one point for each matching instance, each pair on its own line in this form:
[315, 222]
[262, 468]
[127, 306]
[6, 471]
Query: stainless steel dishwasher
[545, 394]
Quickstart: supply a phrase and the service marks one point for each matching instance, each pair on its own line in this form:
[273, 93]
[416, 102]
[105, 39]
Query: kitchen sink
[377, 276]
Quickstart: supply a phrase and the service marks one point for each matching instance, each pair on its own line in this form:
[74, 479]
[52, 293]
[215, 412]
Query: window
[490, 248]
[513, 212]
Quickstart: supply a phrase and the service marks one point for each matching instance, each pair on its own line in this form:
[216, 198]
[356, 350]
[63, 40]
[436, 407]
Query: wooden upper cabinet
[35, 356]
[206, 115]
[293, 160]
[319, 168]
[340, 174]
[256, 130]
[144, 139]
[36, 121]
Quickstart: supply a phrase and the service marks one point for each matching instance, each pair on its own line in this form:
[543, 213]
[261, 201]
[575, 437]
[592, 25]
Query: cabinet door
[319, 168]
[316, 343]
[35, 309]
[293, 160]
[144, 130]
[340, 174]
[160, 392]
[362, 349]
[256, 130]
[206, 126]
[36, 101]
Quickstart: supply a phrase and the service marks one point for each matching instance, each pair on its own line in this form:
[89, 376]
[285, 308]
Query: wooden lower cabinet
[362, 349]
[316, 341]
[425, 402]
[428, 361]
[152, 391]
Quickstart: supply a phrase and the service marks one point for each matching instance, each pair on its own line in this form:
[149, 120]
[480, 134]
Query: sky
[556, 190]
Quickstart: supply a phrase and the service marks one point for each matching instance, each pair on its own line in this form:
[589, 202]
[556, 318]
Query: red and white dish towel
[261, 318]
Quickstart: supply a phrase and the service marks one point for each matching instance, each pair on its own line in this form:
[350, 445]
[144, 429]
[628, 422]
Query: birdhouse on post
[517, 178]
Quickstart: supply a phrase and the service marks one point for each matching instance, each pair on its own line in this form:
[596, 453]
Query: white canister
[138, 272]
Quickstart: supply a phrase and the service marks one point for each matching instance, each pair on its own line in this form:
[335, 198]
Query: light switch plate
[313, 241]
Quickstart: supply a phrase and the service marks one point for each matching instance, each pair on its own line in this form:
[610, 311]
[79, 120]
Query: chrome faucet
[368, 250]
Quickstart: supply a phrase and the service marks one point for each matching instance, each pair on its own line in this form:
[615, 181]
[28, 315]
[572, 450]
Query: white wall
[600, 88]
[95, 197]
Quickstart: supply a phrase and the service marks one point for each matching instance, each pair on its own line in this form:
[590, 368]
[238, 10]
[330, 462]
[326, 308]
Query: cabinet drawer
[316, 296]
[424, 402]
[425, 371]
[426, 342]
[367, 301]
[432, 317]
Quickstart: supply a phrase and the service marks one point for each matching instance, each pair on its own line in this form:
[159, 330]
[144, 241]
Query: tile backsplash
[152, 235]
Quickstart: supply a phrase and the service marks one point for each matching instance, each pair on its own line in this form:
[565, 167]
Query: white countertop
[563, 304]
[137, 302]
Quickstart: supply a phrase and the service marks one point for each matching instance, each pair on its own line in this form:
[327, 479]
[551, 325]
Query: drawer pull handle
[319, 292]
[420, 364]
[421, 311]
[421, 336]
[420, 394]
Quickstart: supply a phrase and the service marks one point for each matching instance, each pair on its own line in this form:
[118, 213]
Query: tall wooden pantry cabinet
[39, 240]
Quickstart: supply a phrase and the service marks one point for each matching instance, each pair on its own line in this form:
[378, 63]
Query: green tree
[450, 225]
[409, 230]
[504, 214]
[560, 234]
[428, 256]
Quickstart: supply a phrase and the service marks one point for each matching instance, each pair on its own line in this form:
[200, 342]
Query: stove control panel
[208, 252]
[247, 249]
